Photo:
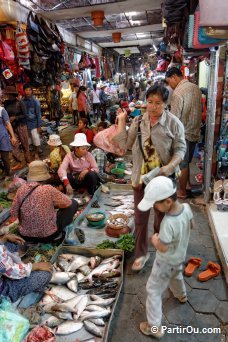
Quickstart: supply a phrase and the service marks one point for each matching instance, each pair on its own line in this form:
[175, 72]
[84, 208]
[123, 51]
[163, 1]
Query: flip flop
[139, 263]
[193, 264]
[213, 269]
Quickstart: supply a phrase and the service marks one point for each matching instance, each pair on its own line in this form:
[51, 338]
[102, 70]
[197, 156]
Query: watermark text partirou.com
[186, 330]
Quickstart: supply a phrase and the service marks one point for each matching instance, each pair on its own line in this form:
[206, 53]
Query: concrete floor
[207, 305]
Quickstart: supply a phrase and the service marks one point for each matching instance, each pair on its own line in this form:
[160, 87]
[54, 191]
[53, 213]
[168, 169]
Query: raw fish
[92, 328]
[72, 284]
[61, 277]
[67, 328]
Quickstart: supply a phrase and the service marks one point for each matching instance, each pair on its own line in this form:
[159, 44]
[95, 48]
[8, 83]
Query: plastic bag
[104, 141]
[13, 326]
[40, 334]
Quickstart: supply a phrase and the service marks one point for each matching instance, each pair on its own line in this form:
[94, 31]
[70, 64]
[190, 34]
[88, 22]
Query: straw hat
[80, 140]
[10, 90]
[54, 140]
[103, 86]
[38, 171]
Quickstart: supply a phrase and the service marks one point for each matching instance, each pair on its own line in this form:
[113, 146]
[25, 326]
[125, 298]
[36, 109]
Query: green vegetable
[4, 202]
[125, 242]
[107, 244]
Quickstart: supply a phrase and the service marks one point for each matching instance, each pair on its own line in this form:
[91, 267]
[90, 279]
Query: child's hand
[155, 239]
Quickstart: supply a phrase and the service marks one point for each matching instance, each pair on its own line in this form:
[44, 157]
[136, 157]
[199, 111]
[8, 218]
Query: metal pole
[210, 123]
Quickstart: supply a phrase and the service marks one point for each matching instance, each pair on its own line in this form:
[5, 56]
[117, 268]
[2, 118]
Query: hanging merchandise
[22, 46]
[55, 105]
[213, 13]
[7, 53]
[98, 70]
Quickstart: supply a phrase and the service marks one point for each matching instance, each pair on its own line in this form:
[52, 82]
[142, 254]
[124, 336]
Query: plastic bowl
[96, 219]
[119, 173]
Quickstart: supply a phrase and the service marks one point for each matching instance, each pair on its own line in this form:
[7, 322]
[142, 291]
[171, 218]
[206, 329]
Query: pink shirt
[77, 165]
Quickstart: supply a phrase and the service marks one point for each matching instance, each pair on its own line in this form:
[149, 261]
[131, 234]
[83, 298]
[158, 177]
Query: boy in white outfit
[171, 244]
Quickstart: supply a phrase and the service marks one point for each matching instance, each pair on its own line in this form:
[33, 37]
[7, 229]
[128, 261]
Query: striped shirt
[186, 105]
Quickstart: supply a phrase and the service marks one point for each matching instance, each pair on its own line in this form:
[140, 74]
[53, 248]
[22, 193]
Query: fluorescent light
[155, 48]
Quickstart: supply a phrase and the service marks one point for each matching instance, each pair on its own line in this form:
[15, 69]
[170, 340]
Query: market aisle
[207, 305]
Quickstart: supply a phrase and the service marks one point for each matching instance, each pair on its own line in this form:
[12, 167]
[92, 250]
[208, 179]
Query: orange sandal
[193, 264]
[212, 271]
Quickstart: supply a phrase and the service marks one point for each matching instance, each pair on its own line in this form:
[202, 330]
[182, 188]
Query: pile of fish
[82, 294]
[121, 203]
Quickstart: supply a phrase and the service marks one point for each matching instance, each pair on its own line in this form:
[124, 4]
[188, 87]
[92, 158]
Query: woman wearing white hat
[82, 166]
[58, 151]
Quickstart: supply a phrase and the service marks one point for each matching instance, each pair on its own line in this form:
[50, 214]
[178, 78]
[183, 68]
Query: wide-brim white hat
[103, 86]
[80, 140]
[54, 140]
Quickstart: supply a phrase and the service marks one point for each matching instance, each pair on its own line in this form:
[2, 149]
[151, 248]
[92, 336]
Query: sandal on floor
[139, 263]
[213, 269]
[193, 264]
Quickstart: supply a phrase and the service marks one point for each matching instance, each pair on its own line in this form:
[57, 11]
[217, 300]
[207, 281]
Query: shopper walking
[82, 103]
[156, 140]
[18, 118]
[171, 246]
[103, 97]
[73, 104]
[5, 143]
[96, 102]
[186, 105]
[34, 121]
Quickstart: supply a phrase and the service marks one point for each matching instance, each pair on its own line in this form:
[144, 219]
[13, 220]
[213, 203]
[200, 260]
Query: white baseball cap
[158, 189]
[131, 105]
[80, 140]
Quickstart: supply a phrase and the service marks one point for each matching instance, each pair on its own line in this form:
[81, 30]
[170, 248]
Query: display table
[219, 226]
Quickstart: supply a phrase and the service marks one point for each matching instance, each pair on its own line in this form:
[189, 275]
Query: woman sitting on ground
[83, 128]
[35, 203]
[58, 151]
[83, 169]
[17, 279]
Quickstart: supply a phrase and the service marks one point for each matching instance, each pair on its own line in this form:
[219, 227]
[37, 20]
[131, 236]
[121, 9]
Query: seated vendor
[35, 203]
[82, 166]
[83, 128]
[58, 151]
[16, 278]
[134, 111]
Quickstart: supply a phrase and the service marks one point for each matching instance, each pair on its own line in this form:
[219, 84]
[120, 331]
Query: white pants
[34, 137]
[162, 276]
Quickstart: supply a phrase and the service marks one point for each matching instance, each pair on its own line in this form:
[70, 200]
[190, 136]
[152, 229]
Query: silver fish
[85, 270]
[67, 328]
[98, 321]
[102, 268]
[80, 307]
[63, 264]
[92, 328]
[48, 307]
[102, 302]
[62, 292]
[67, 257]
[63, 315]
[52, 321]
[72, 284]
[94, 308]
[95, 261]
[61, 277]
[64, 308]
[78, 261]
[80, 276]
[95, 314]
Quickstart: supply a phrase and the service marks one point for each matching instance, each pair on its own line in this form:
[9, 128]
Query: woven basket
[114, 225]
